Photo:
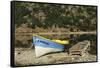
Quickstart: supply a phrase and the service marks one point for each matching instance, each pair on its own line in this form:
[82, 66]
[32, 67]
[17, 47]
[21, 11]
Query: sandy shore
[24, 56]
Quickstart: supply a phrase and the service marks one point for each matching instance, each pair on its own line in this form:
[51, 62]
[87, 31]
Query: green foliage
[47, 15]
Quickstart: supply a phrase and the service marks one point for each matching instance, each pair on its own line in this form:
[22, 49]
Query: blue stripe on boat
[46, 43]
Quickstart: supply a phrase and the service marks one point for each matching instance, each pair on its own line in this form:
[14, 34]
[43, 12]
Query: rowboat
[44, 46]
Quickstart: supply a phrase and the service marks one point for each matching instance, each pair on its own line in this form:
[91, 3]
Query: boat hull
[43, 46]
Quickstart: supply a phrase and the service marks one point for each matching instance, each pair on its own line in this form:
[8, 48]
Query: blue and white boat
[43, 46]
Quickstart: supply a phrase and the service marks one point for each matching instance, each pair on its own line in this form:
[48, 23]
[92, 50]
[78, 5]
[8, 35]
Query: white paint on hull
[44, 50]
